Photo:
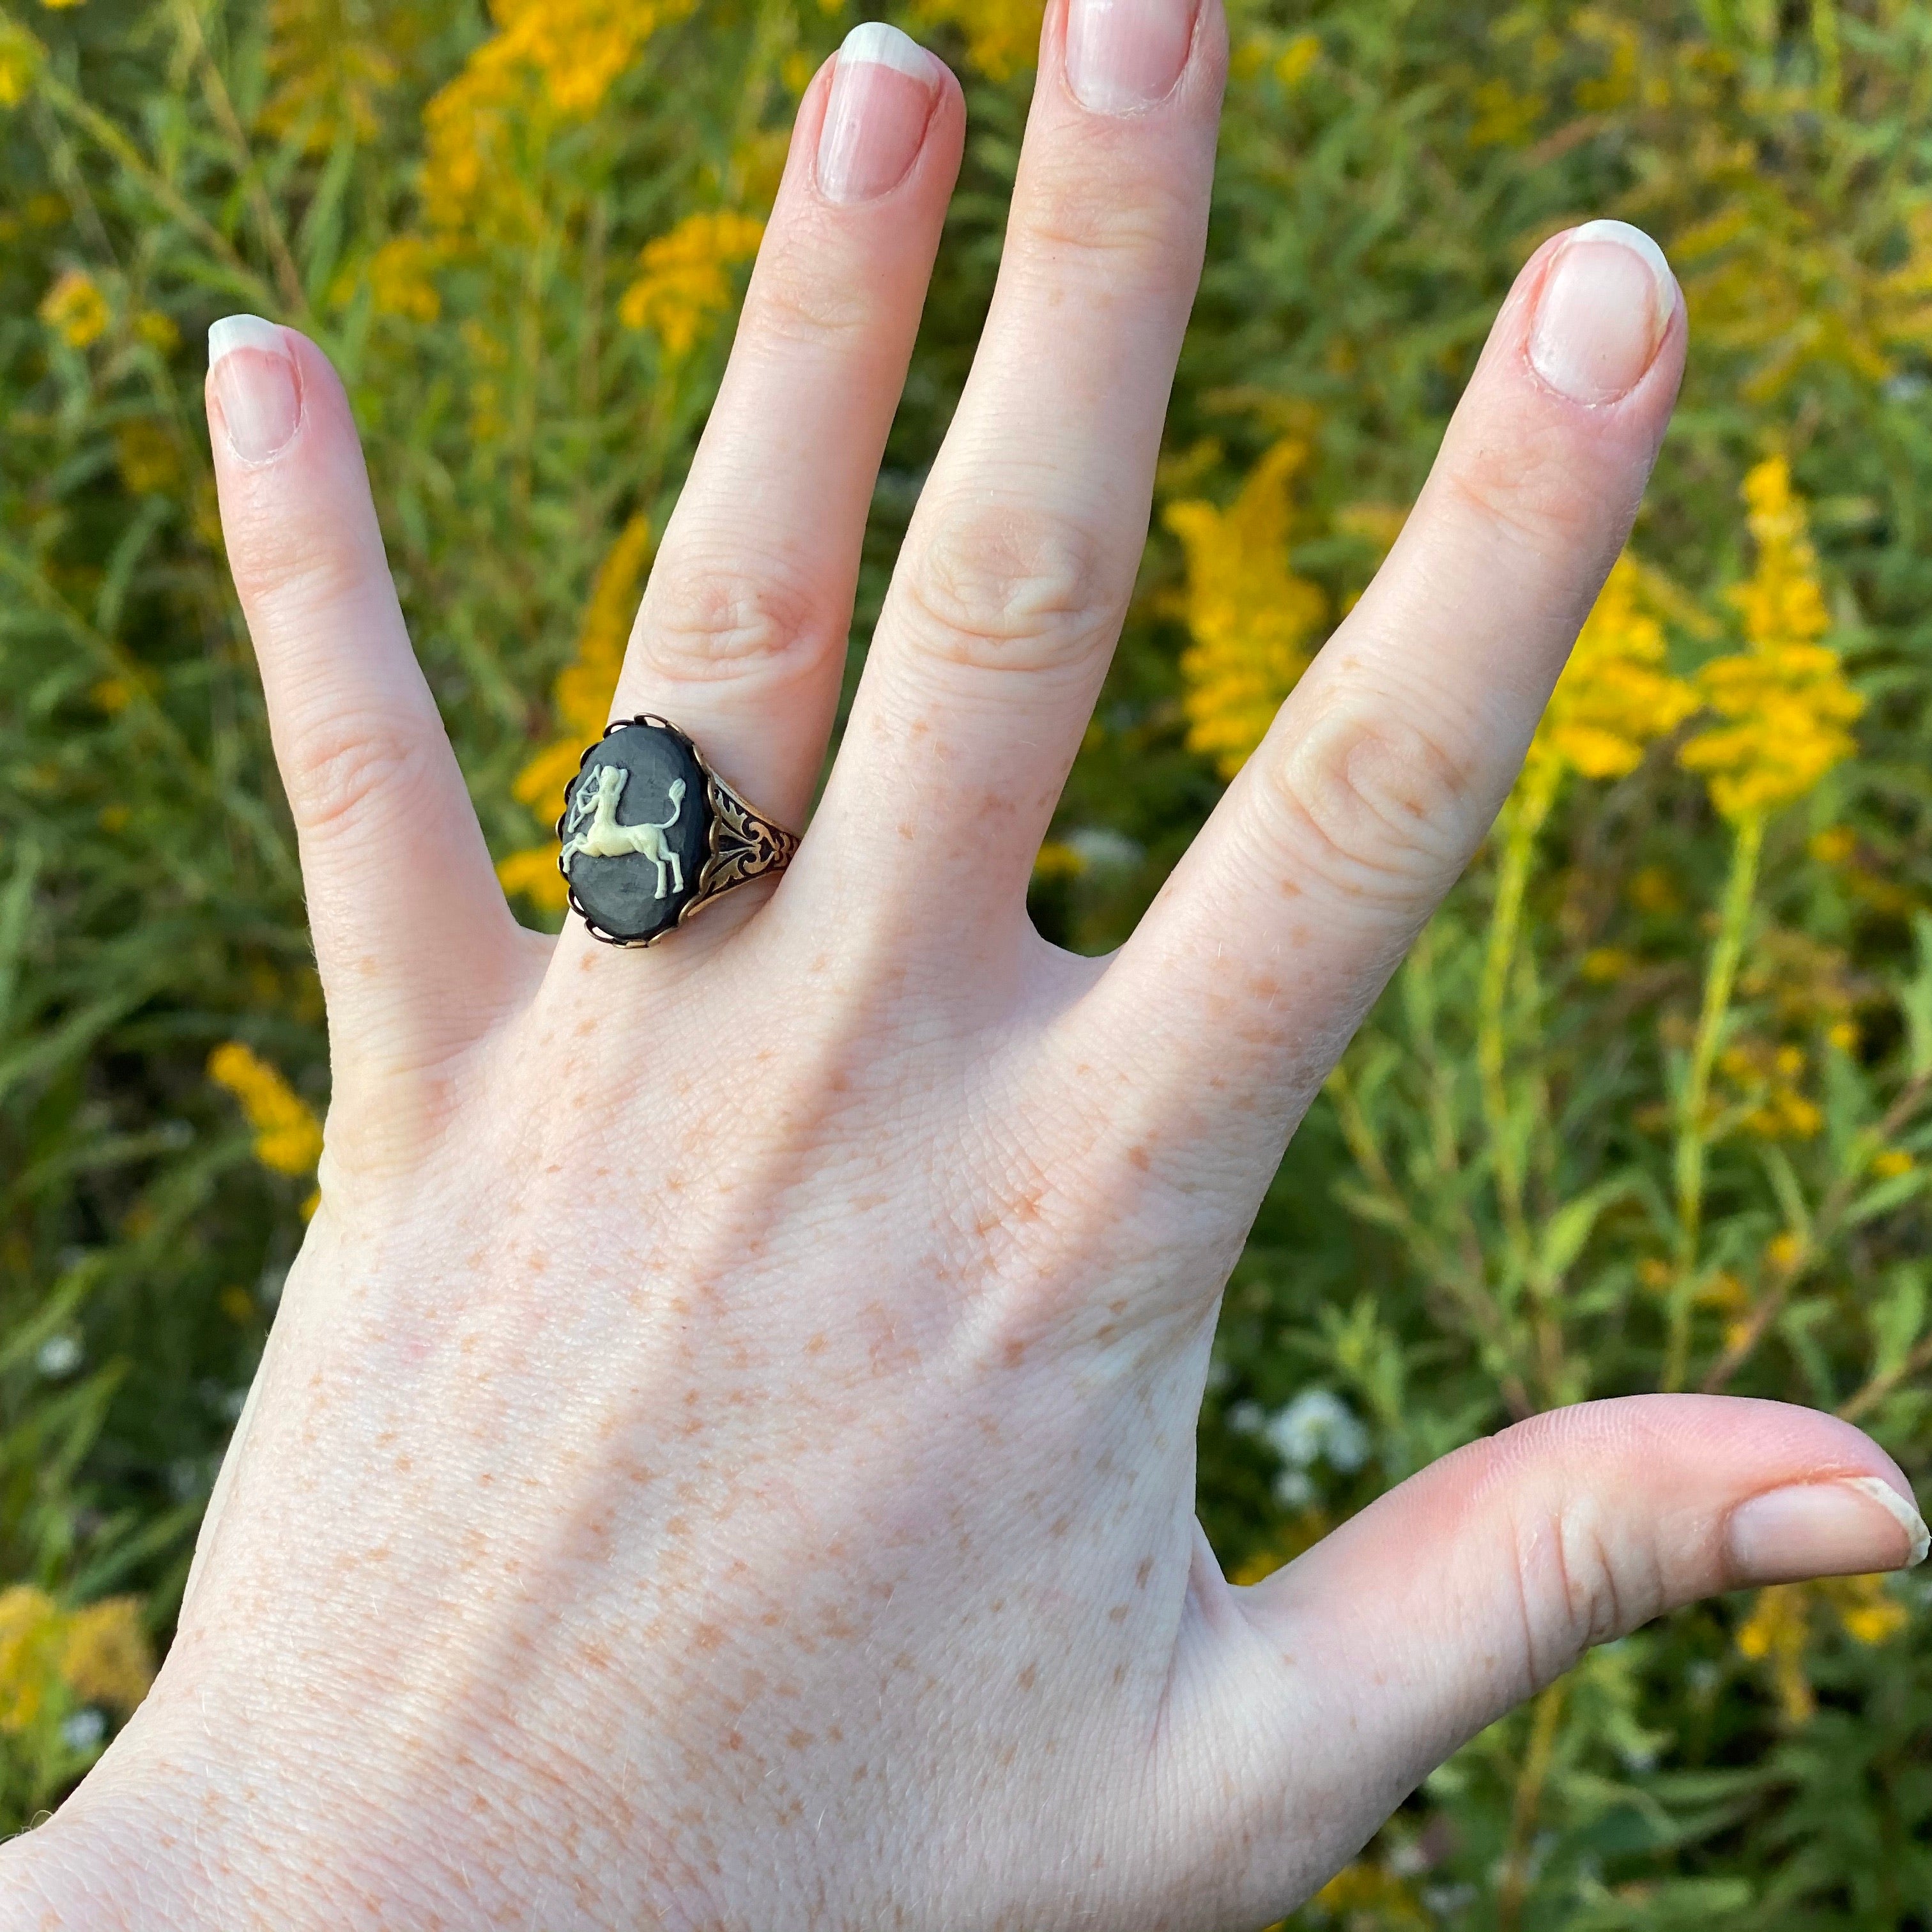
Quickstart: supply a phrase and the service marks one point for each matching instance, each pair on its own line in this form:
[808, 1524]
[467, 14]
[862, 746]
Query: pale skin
[758, 1491]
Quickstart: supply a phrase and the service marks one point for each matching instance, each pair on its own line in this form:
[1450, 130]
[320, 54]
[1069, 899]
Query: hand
[724, 1457]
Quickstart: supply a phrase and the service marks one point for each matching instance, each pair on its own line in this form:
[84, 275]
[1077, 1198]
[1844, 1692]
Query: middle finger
[1017, 569]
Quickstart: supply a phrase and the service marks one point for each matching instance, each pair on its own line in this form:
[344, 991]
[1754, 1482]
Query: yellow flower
[75, 309]
[106, 1657]
[1652, 889]
[1250, 616]
[145, 455]
[581, 700]
[1777, 1632]
[1833, 846]
[157, 331]
[29, 1649]
[533, 873]
[1871, 1616]
[1504, 119]
[1784, 1252]
[550, 62]
[1614, 696]
[1604, 965]
[20, 63]
[683, 285]
[288, 1136]
[1785, 698]
[1298, 59]
[1892, 1163]
[1002, 36]
[401, 278]
[1766, 1077]
[1054, 860]
[1366, 1887]
[325, 75]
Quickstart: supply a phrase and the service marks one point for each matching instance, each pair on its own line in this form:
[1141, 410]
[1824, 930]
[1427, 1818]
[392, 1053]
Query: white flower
[59, 1355]
[1103, 850]
[1318, 1427]
[83, 1731]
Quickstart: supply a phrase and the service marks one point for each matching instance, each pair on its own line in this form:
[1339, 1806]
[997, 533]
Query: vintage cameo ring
[650, 833]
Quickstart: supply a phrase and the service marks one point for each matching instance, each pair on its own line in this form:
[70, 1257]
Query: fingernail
[1844, 1528]
[255, 383]
[1605, 302]
[884, 88]
[1125, 54]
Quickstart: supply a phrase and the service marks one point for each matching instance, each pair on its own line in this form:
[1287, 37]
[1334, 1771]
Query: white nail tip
[880, 45]
[1640, 245]
[1908, 1518]
[243, 331]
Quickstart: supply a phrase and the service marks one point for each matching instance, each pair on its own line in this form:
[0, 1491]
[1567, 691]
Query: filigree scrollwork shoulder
[744, 846]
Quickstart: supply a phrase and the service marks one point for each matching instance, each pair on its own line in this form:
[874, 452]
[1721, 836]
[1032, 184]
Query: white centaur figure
[603, 838]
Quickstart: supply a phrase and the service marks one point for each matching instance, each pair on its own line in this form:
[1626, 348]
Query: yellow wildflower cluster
[1614, 695]
[325, 75]
[1779, 1631]
[1765, 1079]
[75, 309]
[549, 62]
[1810, 984]
[1002, 36]
[288, 1136]
[147, 456]
[1785, 698]
[1250, 616]
[581, 700]
[402, 277]
[99, 1655]
[683, 282]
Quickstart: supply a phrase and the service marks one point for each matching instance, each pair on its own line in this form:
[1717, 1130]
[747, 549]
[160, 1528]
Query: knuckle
[289, 569]
[1009, 587]
[336, 767]
[1372, 801]
[1527, 495]
[801, 298]
[1584, 1572]
[1581, 1586]
[1086, 212]
[705, 620]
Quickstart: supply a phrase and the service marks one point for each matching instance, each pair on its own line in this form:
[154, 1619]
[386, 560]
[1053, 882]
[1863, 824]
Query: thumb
[1473, 1584]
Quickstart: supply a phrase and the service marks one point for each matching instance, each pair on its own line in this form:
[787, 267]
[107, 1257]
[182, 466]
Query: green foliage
[1515, 1231]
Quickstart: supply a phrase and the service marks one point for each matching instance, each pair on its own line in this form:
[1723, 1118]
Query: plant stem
[1526, 817]
[1693, 1101]
[1514, 1887]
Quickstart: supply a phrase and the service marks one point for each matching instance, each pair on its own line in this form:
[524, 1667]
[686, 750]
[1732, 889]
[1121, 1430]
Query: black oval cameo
[636, 830]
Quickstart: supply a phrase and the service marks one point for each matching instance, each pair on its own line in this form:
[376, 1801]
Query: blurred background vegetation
[1645, 1109]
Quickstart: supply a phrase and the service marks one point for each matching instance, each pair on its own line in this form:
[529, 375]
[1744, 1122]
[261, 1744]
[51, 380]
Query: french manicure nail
[1849, 1528]
[884, 88]
[1125, 54]
[255, 383]
[1606, 302]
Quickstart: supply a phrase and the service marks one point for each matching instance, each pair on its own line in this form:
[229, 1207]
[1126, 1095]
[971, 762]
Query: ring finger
[1021, 559]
